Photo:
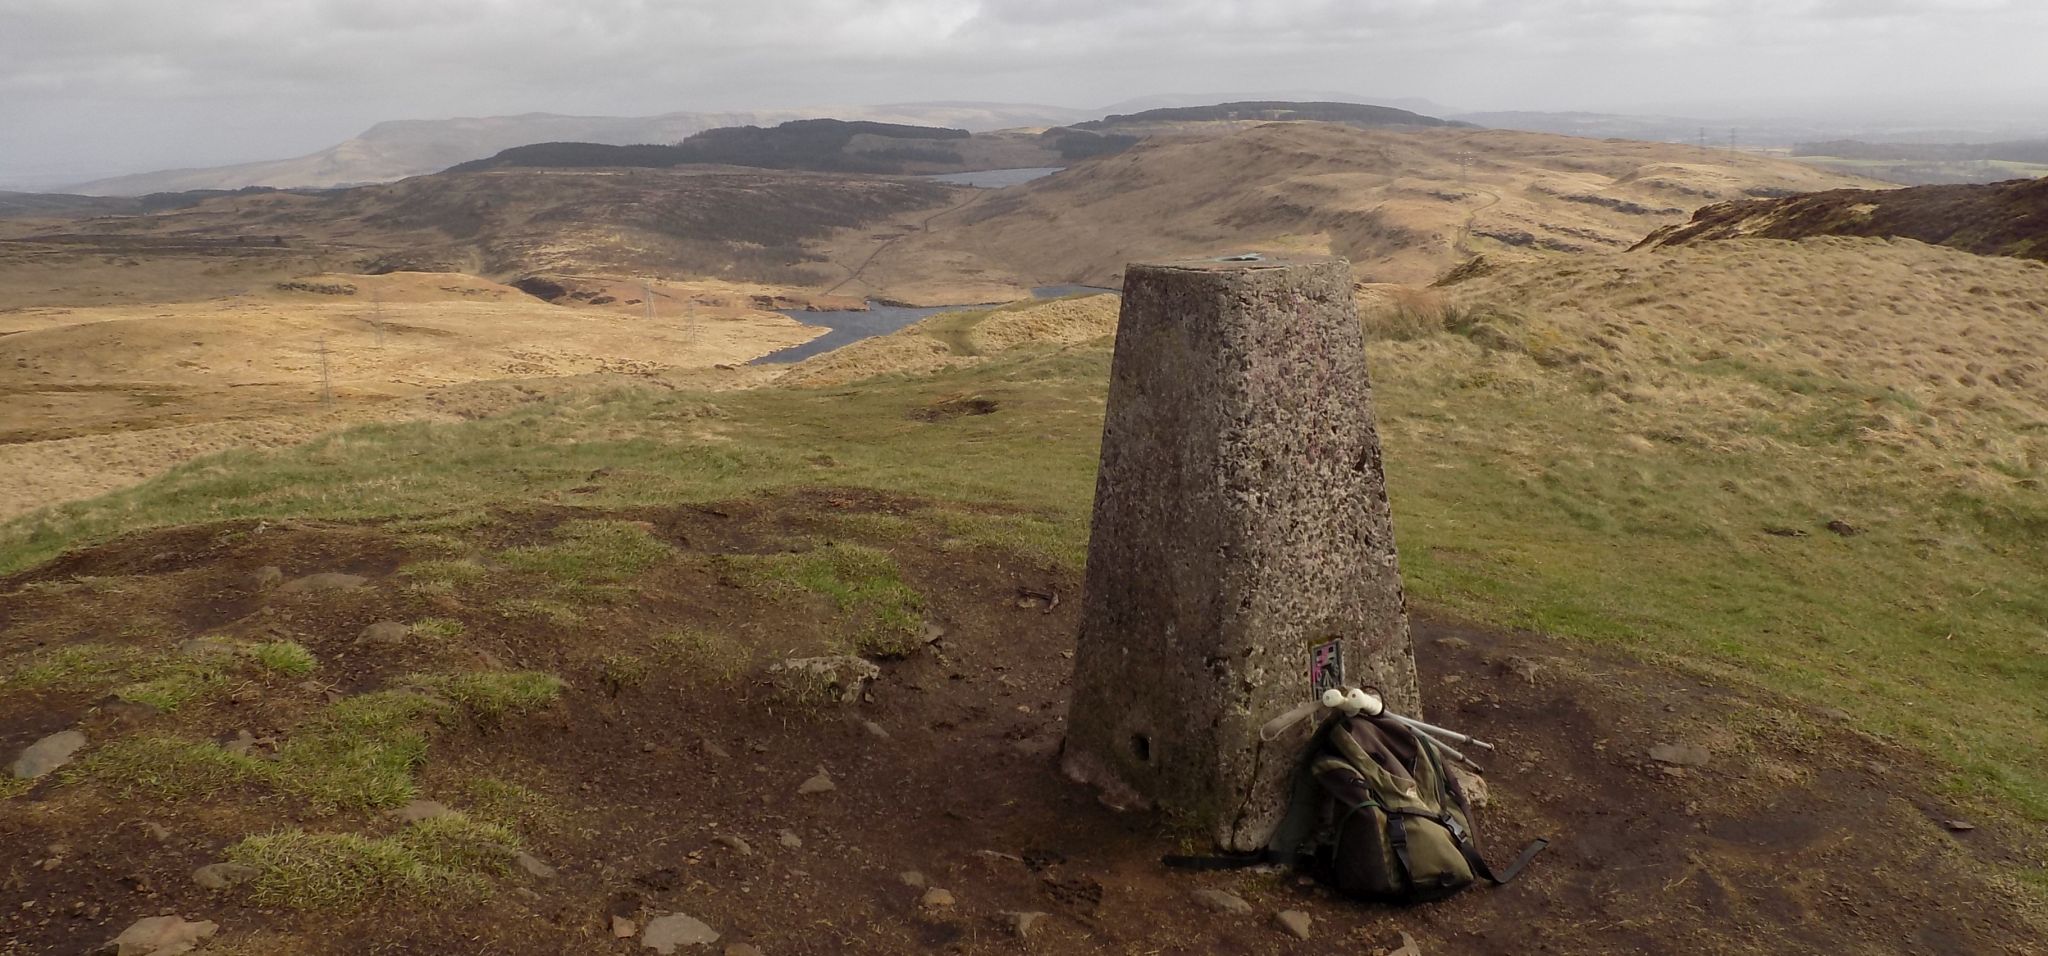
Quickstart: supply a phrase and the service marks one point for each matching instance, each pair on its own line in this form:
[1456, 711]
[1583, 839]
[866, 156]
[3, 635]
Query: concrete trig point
[1241, 525]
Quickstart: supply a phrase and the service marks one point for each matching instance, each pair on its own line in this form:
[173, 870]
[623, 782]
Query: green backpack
[1377, 816]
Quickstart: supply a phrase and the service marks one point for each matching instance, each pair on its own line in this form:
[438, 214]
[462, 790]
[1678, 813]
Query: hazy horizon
[91, 88]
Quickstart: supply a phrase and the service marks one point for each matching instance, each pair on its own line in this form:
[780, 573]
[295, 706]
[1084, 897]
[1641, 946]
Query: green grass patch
[445, 859]
[491, 696]
[620, 672]
[512, 805]
[885, 615]
[439, 629]
[165, 767]
[540, 609]
[175, 682]
[591, 552]
[284, 657]
[703, 655]
[75, 667]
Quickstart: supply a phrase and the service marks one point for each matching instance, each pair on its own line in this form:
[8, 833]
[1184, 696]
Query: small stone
[663, 934]
[1523, 668]
[1680, 755]
[742, 949]
[822, 783]
[912, 879]
[1844, 528]
[385, 634]
[157, 830]
[240, 746]
[789, 839]
[1959, 826]
[48, 754]
[713, 750]
[1454, 643]
[1025, 924]
[1223, 902]
[647, 748]
[534, 867]
[1408, 946]
[1037, 748]
[329, 581]
[220, 876]
[1295, 922]
[161, 936]
[623, 928]
[875, 730]
[1474, 786]
[736, 844]
[419, 810]
[268, 576]
[935, 898]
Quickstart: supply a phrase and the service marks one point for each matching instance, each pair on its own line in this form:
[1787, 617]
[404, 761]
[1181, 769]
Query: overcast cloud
[93, 87]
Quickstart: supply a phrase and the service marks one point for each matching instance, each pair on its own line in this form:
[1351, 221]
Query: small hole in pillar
[1141, 747]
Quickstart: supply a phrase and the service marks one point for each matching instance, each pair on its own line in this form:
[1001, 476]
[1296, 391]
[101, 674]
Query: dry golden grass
[1403, 205]
[1943, 355]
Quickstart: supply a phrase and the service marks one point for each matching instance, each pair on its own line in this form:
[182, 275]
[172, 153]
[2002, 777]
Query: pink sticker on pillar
[1326, 667]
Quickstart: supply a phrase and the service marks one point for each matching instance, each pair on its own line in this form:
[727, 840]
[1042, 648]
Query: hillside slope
[1403, 205]
[395, 150]
[706, 221]
[1996, 219]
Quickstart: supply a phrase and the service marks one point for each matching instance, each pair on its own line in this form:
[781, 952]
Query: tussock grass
[539, 609]
[885, 615]
[438, 629]
[284, 657]
[165, 767]
[705, 655]
[175, 682]
[491, 696]
[439, 859]
[512, 805]
[591, 552]
[76, 666]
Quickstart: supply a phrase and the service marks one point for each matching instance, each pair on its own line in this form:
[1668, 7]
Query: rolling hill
[1996, 219]
[1404, 205]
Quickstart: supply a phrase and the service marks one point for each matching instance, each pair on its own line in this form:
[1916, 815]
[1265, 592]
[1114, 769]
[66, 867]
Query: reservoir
[850, 326]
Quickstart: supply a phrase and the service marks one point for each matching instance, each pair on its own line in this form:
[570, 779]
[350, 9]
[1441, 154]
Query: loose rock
[534, 867]
[789, 839]
[48, 754]
[1223, 902]
[713, 750]
[875, 730]
[742, 949]
[1680, 755]
[385, 634]
[842, 678]
[268, 576]
[1295, 922]
[736, 844]
[623, 928]
[664, 934]
[1408, 946]
[161, 936]
[822, 783]
[936, 898]
[1025, 924]
[912, 879]
[1474, 786]
[220, 876]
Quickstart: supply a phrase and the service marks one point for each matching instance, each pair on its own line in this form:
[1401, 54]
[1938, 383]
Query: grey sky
[92, 87]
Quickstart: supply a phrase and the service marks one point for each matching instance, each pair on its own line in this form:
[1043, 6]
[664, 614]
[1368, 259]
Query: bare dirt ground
[1791, 835]
[102, 395]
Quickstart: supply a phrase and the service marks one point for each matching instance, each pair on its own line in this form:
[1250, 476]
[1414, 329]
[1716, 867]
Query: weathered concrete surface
[1240, 520]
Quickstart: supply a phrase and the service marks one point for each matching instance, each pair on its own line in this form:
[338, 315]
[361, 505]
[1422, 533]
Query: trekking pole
[1358, 701]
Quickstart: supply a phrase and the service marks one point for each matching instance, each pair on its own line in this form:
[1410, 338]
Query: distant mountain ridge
[398, 149]
[1265, 111]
